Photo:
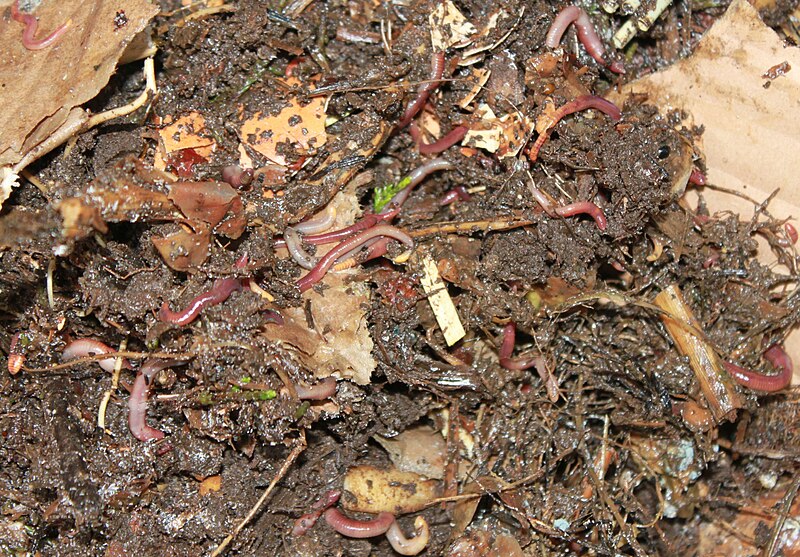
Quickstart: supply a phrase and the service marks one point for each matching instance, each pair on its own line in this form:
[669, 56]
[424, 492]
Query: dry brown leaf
[301, 125]
[187, 132]
[449, 27]
[505, 135]
[40, 88]
[184, 250]
[374, 490]
[749, 143]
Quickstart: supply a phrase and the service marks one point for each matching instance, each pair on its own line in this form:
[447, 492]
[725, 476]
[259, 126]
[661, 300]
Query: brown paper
[751, 141]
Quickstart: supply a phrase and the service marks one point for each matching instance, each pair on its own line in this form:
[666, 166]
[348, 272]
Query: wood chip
[439, 299]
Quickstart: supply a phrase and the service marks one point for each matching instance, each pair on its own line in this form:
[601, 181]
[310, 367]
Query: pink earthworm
[409, 546]
[321, 391]
[294, 243]
[448, 140]
[84, 347]
[424, 90]
[584, 207]
[16, 358]
[353, 528]
[415, 177]
[31, 23]
[697, 178]
[220, 291]
[586, 34]
[757, 381]
[137, 403]
[237, 176]
[327, 261]
[572, 209]
[538, 362]
[580, 103]
[307, 521]
[791, 232]
[457, 193]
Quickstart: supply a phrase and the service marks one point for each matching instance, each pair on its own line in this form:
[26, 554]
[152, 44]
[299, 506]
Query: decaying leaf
[449, 27]
[204, 201]
[183, 143]
[420, 450]
[478, 78]
[300, 125]
[64, 75]
[183, 250]
[504, 136]
[372, 490]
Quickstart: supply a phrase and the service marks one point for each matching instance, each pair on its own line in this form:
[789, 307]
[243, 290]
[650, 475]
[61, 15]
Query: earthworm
[448, 140]
[84, 347]
[15, 358]
[580, 103]
[237, 176]
[507, 348]
[424, 90]
[415, 177]
[307, 521]
[776, 356]
[584, 207]
[325, 263]
[219, 292]
[31, 23]
[292, 65]
[586, 34]
[294, 242]
[456, 193]
[791, 232]
[137, 403]
[409, 546]
[322, 390]
[697, 178]
[353, 528]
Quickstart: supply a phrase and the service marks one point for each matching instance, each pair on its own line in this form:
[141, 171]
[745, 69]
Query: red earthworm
[31, 23]
[586, 34]
[697, 178]
[322, 390]
[15, 359]
[219, 292]
[791, 232]
[137, 403]
[307, 521]
[757, 381]
[424, 90]
[448, 140]
[237, 176]
[507, 348]
[353, 528]
[368, 221]
[580, 103]
[291, 66]
[327, 261]
[415, 177]
[456, 193]
[409, 546]
[584, 207]
[84, 347]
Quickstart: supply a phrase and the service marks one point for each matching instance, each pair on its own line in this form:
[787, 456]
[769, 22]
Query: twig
[786, 506]
[136, 104]
[108, 355]
[101, 411]
[299, 448]
[469, 227]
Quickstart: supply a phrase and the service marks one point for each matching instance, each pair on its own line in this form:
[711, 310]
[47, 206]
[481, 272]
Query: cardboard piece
[751, 141]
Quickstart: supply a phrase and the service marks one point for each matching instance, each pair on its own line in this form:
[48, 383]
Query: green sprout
[382, 195]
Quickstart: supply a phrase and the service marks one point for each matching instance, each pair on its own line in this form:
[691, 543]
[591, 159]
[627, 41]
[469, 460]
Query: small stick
[299, 448]
[715, 383]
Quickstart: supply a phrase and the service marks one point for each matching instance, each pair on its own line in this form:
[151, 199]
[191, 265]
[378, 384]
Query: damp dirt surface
[588, 432]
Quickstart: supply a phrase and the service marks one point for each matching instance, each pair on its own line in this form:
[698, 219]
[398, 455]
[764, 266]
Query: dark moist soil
[70, 488]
